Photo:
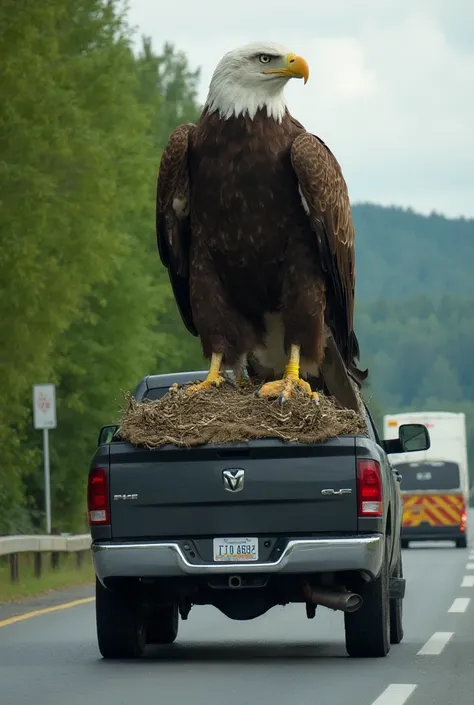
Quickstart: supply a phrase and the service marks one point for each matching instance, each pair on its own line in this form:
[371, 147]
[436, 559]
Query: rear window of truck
[155, 394]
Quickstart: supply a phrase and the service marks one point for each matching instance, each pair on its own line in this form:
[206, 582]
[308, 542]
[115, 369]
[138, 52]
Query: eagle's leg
[283, 388]
[214, 377]
[242, 379]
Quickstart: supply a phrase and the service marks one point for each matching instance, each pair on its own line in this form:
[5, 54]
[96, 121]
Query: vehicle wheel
[368, 629]
[404, 543]
[162, 624]
[462, 542]
[120, 625]
[396, 609]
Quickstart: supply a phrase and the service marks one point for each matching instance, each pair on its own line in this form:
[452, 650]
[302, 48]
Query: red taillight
[369, 488]
[98, 504]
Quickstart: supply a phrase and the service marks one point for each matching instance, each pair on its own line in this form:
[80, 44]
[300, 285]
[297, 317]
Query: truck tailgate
[175, 492]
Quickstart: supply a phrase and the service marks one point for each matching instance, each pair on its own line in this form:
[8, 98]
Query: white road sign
[44, 406]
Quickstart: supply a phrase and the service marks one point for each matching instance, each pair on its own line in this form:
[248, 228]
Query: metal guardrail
[12, 546]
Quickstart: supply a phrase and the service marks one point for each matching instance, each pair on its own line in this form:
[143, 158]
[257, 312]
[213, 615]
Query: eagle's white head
[253, 77]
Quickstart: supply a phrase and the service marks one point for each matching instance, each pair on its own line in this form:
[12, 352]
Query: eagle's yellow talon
[307, 388]
[242, 382]
[213, 379]
[281, 389]
[284, 388]
[272, 389]
[207, 384]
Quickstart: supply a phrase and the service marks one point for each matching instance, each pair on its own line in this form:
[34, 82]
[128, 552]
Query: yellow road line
[46, 610]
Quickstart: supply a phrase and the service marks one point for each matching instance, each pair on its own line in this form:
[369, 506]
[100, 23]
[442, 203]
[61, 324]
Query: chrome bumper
[156, 559]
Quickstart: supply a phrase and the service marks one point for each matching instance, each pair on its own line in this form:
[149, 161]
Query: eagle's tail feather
[358, 375]
[337, 378]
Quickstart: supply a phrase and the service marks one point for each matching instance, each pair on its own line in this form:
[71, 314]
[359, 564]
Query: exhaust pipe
[235, 582]
[334, 599]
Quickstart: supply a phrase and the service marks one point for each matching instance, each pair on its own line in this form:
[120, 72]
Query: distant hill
[400, 253]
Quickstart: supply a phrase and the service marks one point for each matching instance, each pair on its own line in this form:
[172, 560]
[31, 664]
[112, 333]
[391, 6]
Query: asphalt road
[51, 658]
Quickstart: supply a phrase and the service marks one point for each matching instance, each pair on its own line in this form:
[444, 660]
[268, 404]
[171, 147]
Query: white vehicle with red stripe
[435, 482]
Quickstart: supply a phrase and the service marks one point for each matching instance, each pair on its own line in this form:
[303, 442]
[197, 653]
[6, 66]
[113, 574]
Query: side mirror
[411, 437]
[107, 433]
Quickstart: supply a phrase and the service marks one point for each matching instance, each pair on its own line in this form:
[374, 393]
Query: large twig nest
[234, 414]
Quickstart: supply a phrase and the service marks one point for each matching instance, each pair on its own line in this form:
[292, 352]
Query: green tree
[167, 88]
[75, 180]
[420, 355]
[401, 253]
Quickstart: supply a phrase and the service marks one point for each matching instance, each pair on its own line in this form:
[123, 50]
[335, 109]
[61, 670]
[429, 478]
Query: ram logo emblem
[233, 480]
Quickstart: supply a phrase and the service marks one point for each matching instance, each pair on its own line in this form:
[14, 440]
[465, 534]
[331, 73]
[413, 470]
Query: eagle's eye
[264, 58]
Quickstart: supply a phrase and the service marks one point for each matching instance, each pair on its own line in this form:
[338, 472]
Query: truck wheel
[396, 609]
[162, 624]
[368, 629]
[462, 542]
[120, 626]
[404, 543]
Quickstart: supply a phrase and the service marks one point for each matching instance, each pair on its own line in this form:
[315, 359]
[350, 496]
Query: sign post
[44, 416]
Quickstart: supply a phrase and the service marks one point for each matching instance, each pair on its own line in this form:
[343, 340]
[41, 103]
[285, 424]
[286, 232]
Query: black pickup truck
[245, 527]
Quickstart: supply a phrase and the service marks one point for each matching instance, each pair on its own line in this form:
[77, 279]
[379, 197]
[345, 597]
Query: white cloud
[342, 69]
[390, 87]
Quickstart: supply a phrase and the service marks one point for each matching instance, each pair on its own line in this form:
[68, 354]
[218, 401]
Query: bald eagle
[255, 228]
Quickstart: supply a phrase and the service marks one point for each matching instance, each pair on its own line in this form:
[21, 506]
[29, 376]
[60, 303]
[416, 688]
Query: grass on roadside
[66, 575]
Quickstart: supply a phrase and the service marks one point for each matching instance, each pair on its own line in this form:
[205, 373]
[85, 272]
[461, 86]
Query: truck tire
[162, 624]
[396, 609]
[120, 625]
[368, 629]
[404, 543]
[462, 542]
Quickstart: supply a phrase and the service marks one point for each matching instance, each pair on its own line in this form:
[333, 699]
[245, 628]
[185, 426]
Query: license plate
[233, 550]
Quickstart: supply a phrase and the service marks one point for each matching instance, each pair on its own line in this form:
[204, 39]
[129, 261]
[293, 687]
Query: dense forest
[401, 253]
[84, 301]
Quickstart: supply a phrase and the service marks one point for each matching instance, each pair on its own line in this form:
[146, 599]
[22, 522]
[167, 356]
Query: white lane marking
[435, 644]
[460, 604]
[470, 566]
[395, 694]
[468, 581]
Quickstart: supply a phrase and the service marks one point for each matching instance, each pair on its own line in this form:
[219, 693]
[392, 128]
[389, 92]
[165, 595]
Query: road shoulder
[45, 601]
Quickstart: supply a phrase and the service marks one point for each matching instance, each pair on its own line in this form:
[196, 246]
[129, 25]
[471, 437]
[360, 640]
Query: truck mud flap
[397, 588]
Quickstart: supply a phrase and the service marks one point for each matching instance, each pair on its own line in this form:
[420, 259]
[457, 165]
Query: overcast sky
[391, 86]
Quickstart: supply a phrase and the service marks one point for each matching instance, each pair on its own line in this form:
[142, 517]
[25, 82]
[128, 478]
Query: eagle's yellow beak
[296, 67]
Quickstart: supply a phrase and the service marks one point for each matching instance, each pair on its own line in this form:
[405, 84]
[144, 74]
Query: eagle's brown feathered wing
[172, 218]
[325, 193]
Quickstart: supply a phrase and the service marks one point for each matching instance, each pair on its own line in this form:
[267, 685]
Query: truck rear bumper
[167, 559]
